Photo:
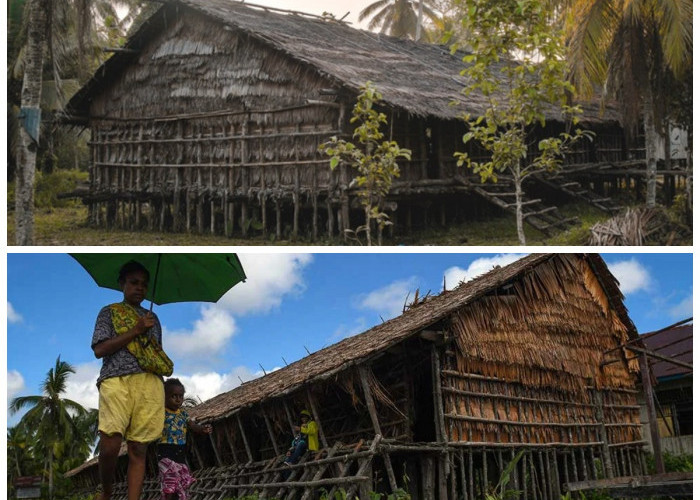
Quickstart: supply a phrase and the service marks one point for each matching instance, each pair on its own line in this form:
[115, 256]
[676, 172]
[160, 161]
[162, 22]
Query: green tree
[628, 47]
[399, 17]
[374, 159]
[51, 416]
[520, 93]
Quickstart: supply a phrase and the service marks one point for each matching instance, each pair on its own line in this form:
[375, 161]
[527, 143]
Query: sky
[289, 304]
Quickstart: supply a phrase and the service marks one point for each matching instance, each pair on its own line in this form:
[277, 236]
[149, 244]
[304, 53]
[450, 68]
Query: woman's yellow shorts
[133, 406]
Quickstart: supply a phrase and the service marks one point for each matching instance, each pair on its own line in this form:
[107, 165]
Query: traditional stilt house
[210, 118]
[440, 399]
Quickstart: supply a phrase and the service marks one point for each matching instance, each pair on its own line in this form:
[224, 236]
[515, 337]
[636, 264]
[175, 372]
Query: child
[174, 474]
[306, 438]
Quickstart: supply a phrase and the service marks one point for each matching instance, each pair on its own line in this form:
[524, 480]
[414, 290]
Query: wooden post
[289, 417]
[245, 440]
[369, 399]
[440, 432]
[244, 176]
[177, 224]
[230, 444]
[602, 433]
[651, 412]
[269, 431]
[329, 210]
[278, 220]
[428, 476]
[297, 190]
[314, 412]
[216, 450]
[188, 199]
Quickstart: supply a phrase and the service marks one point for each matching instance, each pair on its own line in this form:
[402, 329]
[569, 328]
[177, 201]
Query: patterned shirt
[175, 428]
[121, 362]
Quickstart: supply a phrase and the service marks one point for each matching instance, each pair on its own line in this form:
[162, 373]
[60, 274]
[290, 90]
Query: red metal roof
[674, 343]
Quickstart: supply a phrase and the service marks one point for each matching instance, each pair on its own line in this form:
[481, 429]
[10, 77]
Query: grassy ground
[67, 226]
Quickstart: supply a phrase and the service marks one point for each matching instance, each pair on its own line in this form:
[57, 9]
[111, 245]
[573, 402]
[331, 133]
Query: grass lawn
[67, 226]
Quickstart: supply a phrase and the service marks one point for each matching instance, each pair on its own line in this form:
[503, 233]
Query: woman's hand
[112, 345]
[144, 323]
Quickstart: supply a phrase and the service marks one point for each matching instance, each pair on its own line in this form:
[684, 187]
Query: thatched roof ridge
[354, 350]
[419, 78]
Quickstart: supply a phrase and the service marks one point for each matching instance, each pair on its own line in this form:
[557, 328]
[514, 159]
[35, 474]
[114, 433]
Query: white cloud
[210, 333]
[684, 309]
[633, 276]
[207, 385]
[388, 301]
[271, 277]
[81, 386]
[455, 275]
[15, 383]
[12, 315]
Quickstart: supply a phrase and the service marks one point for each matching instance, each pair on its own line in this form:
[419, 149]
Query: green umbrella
[175, 277]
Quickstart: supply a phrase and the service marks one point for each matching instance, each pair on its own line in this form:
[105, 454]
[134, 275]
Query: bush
[673, 463]
[49, 186]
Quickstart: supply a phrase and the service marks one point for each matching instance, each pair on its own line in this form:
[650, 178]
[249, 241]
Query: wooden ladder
[575, 190]
[535, 213]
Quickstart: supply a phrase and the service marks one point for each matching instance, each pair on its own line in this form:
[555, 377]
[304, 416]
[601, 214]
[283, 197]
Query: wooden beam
[216, 450]
[317, 416]
[245, 440]
[369, 399]
[270, 432]
[651, 413]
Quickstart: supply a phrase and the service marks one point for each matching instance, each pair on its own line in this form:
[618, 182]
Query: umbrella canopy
[175, 277]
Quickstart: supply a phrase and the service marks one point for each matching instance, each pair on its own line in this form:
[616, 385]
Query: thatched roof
[419, 78]
[355, 350]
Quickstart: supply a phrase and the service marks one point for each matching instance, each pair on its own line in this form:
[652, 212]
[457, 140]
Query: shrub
[49, 186]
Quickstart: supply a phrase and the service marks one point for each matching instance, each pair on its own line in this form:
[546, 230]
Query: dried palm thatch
[531, 278]
[549, 329]
[637, 226]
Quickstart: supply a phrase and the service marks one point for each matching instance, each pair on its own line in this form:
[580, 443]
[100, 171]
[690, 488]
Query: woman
[131, 398]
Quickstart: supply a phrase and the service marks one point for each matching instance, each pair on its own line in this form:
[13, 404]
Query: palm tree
[628, 46]
[50, 29]
[50, 415]
[399, 18]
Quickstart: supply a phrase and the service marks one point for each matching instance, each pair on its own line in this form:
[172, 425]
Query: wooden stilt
[278, 220]
[428, 478]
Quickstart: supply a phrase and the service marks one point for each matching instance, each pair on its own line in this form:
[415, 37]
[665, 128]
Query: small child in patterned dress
[175, 477]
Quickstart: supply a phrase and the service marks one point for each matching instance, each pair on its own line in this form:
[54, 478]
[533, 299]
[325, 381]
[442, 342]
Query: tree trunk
[689, 176]
[51, 473]
[368, 222]
[650, 147]
[519, 207]
[419, 21]
[31, 97]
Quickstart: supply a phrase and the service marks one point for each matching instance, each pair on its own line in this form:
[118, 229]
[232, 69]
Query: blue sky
[290, 303]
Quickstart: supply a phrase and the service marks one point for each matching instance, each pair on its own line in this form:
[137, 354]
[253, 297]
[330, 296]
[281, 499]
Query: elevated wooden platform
[672, 484]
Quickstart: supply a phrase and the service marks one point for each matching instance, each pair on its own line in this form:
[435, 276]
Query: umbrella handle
[155, 282]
